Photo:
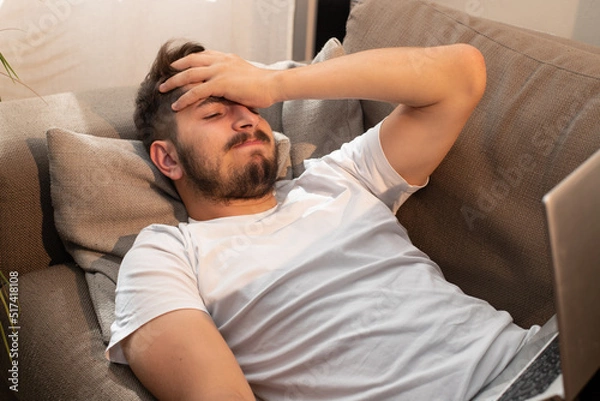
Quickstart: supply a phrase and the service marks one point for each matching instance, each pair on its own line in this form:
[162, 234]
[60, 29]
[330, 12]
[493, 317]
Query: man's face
[227, 151]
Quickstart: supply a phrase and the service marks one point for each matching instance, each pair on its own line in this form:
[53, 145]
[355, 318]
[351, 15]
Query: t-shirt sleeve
[364, 159]
[155, 277]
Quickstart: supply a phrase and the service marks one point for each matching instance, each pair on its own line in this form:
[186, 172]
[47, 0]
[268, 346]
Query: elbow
[475, 75]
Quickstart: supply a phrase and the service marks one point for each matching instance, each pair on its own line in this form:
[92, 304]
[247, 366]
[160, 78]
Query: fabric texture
[481, 215]
[326, 281]
[104, 192]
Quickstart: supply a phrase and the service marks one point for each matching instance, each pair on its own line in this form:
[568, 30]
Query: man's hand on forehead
[212, 74]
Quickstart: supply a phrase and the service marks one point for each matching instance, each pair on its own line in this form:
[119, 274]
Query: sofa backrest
[481, 217]
[28, 238]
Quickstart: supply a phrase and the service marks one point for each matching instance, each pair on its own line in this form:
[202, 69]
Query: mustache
[242, 137]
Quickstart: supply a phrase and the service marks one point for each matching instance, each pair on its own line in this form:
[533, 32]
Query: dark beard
[255, 181]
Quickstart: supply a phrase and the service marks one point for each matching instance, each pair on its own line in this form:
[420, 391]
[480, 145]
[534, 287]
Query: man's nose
[245, 118]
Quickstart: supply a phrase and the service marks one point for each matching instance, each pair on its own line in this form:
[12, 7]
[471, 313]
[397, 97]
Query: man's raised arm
[436, 88]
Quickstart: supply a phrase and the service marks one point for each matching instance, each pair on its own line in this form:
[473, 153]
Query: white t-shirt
[322, 297]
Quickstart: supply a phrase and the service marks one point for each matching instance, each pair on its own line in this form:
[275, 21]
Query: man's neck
[202, 209]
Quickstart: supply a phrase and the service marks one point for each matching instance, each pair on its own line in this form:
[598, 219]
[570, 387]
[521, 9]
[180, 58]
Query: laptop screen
[573, 218]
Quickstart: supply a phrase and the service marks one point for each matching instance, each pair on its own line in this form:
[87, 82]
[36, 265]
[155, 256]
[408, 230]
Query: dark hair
[153, 117]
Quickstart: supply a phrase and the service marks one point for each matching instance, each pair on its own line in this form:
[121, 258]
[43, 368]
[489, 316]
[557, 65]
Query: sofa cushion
[481, 217]
[104, 191]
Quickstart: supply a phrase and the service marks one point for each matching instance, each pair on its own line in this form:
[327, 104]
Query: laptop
[567, 347]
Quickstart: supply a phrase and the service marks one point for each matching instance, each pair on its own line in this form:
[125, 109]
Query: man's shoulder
[154, 243]
[161, 234]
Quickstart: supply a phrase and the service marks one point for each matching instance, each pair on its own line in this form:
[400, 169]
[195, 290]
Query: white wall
[64, 45]
[574, 19]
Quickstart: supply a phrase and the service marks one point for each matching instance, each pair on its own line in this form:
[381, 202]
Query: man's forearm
[416, 77]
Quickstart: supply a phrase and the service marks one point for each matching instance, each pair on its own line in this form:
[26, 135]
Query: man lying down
[330, 300]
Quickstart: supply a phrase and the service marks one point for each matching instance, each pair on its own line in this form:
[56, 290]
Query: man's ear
[164, 156]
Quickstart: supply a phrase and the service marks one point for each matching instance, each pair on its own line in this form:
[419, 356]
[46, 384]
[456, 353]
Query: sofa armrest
[59, 345]
[28, 238]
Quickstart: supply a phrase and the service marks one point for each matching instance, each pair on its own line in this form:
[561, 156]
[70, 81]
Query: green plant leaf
[9, 70]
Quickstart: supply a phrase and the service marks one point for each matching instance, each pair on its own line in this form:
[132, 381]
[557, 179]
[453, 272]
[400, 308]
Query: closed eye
[211, 116]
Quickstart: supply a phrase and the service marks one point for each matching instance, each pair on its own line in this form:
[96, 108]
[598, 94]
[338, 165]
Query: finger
[193, 60]
[193, 94]
[187, 77]
[200, 59]
[190, 68]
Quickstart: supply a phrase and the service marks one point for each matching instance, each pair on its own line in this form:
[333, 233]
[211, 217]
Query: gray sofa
[480, 218]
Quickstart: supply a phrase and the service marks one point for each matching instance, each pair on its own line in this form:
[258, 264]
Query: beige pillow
[104, 191]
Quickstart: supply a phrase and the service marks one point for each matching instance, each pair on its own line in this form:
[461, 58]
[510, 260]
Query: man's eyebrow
[214, 99]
